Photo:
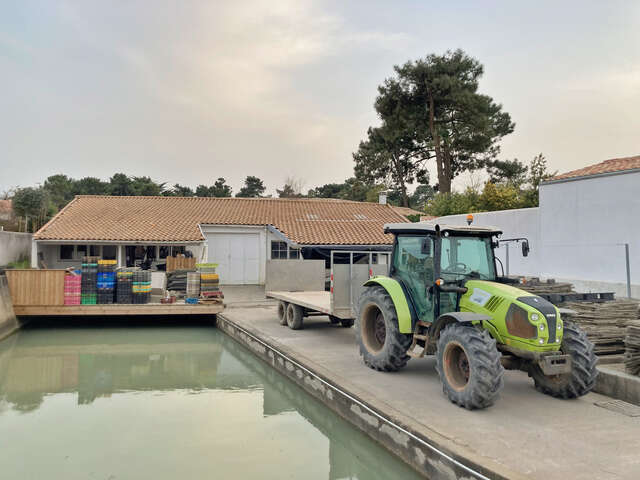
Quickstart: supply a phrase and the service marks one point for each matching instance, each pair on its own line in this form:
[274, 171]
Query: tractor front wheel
[381, 344]
[582, 377]
[469, 367]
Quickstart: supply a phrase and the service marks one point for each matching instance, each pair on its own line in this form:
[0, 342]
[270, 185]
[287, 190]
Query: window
[81, 251]
[413, 264]
[66, 252]
[294, 253]
[278, 250]
[467, 257]
[94, 250]
[109, 252]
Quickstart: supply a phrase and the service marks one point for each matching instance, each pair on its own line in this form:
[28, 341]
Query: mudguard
[398, 297]
[455, 317]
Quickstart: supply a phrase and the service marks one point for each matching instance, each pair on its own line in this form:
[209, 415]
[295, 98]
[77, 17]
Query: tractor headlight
[559, 325]
[535, 317]
[518, 324]
[541, 326]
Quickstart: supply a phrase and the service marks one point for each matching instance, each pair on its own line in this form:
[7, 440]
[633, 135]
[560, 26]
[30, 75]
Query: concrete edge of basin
[427, 451]
[618, 384]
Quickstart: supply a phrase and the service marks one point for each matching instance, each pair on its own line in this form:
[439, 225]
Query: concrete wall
[294, 275]
[577, 234]
[14, 246]
[8, 321]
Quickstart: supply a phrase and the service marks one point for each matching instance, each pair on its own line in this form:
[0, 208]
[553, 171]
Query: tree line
[430, 112]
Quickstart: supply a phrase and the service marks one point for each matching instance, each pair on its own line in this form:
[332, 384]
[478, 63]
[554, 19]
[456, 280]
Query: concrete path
[525, 432]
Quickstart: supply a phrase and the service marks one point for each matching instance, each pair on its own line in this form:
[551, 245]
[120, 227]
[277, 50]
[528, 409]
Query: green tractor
[444, 297]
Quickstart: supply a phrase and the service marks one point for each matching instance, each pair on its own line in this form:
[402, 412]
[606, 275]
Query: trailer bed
[317, 301]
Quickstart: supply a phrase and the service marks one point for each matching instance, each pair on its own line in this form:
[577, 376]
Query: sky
[189, 91]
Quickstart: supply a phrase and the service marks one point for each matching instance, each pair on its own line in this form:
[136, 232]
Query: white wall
[14, 246]
[524, 222]
[584, 224]
[577, 233]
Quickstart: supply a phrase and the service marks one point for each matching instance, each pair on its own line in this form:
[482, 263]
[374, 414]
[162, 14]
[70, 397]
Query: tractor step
[417, 350]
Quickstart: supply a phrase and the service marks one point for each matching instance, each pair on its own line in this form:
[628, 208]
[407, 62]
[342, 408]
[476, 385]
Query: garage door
[237, 256]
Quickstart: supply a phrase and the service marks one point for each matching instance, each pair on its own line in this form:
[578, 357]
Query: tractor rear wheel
[582, 377]
[294, 316]
[282, 312]
[469, 367]
[381, 344]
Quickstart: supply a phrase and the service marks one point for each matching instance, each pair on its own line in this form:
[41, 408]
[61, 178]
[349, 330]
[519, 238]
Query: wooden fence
[36, 287]
[180, 263]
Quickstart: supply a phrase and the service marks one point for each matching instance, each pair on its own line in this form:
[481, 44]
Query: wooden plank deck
[319, 301]
[116, 309]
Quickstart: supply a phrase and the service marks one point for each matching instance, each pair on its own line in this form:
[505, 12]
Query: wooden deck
[116, 309]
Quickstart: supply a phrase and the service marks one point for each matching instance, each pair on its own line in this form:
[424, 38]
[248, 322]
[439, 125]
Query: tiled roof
[176, 219]
[404, 211]
[608, 166]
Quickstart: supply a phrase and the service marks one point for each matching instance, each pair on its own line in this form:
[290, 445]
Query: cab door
[413, 267]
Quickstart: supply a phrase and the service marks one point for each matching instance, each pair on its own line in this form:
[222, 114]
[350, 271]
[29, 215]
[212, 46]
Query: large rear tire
[468, 363]
[582, 377]
[294, 316]
[381, 344]
[282, 312]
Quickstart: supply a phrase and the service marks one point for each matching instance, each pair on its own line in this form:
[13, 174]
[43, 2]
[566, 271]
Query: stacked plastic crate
[209, 283]
[124, 281]
[72, 288]
[141, 287]
[106, 281]
[89, 282]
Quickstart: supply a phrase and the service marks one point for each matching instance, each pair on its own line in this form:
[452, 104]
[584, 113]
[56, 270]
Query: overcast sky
[190, 91]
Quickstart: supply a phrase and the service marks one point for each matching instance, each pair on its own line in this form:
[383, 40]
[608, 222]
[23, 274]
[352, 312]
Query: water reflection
[94, 366]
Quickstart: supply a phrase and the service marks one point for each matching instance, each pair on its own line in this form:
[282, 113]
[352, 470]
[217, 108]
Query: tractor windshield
[470, 257]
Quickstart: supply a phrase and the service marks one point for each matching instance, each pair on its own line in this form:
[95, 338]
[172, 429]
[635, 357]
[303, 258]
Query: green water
[165, 403]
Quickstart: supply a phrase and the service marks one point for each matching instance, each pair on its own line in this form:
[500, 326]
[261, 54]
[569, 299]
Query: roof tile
[608, 166]
[176, 219]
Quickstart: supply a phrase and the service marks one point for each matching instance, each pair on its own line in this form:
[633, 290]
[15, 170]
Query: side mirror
[525, 248]
[425, 248]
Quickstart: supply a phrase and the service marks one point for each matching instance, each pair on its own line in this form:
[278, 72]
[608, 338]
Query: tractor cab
[433, 262]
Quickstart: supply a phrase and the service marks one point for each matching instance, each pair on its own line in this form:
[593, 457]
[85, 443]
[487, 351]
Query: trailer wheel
[334, 320]
[468, 363]
[294, 316]
[282, 312]
[582, 377]
[381, 344]
[347, 322]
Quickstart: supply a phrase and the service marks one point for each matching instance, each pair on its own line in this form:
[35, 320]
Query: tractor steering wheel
[457, 267]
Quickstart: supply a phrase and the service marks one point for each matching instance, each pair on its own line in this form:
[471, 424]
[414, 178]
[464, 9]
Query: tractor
[443, 297]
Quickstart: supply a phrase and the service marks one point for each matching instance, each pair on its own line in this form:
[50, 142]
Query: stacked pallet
[632, 347]
[605, 323]
[177, 281]
[538, 287]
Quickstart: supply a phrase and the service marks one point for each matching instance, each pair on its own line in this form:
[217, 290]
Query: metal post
[507, 258]
[351, 281]
[626, 257]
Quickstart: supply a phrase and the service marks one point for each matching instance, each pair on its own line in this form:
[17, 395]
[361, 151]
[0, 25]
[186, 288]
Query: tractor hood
[520, 319]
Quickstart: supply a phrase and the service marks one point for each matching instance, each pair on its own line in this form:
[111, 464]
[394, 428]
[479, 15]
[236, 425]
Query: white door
[237, 256]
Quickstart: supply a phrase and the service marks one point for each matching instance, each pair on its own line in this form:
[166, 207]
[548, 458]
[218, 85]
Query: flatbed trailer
[340, 302]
